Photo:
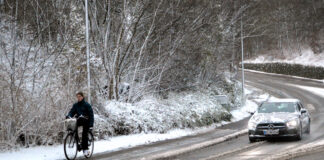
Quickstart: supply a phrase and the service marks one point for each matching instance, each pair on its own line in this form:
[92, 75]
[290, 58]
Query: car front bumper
[285, 132]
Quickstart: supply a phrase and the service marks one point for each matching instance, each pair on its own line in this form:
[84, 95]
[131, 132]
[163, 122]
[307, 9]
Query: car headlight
[252, 125]
[292, 124]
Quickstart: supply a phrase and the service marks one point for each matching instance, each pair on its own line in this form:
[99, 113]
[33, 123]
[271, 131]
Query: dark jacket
[82, 108]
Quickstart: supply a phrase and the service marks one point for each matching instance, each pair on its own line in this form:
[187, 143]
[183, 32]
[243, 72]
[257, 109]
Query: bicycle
[72, 144]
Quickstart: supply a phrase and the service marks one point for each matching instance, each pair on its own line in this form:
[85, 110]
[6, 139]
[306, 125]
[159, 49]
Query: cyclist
[84, 113]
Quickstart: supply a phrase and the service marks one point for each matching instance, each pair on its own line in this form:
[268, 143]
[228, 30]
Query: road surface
[282, 87]
[240, 148]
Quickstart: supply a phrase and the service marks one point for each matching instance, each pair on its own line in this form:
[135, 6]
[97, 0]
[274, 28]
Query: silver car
[279, 118]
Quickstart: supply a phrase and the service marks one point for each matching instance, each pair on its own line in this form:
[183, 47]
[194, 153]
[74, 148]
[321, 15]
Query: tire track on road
[249, 146]
[176, 152]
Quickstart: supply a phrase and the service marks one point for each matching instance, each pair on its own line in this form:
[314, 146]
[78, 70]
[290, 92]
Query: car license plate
[271, 132]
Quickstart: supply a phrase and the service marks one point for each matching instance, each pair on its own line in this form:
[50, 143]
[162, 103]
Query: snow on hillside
[307, 57]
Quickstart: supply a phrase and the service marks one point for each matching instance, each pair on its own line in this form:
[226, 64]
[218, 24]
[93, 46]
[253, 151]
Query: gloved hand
[67, 117]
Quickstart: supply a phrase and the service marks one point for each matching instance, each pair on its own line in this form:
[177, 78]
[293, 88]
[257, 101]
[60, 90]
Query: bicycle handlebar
[81, 116]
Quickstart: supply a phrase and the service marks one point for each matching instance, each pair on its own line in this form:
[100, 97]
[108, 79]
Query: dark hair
[80, 93]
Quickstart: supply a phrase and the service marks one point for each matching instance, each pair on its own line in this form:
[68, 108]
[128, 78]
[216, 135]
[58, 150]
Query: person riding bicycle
[84, 113]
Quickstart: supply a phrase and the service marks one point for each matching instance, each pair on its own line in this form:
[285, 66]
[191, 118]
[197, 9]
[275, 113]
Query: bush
[180, 110]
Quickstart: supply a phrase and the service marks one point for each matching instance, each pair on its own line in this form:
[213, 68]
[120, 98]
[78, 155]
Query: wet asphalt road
[280, 87]
[158, 147]
[276, 85]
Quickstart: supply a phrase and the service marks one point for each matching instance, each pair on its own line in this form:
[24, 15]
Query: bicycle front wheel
[90, 145]
[70, 147]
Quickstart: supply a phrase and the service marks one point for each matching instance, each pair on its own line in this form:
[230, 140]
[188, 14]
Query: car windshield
[270, 107]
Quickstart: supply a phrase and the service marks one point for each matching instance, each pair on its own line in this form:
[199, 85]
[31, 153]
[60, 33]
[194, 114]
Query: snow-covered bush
[188, 109]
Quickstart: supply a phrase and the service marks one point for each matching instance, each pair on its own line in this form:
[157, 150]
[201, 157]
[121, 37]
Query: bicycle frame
[76, 137]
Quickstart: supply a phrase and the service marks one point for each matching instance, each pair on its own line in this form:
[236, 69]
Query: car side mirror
[302, 111]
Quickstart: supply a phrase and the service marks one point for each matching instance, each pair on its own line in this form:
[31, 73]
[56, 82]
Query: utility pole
[88, 50]
[242, 49]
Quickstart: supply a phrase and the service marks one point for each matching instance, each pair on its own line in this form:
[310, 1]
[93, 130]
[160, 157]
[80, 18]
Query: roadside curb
[173, 153]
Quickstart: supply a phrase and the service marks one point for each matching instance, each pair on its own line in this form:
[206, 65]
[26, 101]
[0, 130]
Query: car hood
[273, 117]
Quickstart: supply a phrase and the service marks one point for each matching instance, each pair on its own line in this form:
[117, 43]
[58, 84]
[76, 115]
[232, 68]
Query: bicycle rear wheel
[90, 144]
[70, 147]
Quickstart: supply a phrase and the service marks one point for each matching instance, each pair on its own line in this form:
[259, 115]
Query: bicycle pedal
[79, 147]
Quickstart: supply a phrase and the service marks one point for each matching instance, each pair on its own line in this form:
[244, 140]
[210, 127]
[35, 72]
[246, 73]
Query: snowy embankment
[153, 115]
[253, 95]
[307, 58]
[198, 107]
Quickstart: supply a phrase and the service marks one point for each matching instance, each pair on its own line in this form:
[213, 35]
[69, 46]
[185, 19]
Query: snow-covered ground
[307, 57]
[253, 95]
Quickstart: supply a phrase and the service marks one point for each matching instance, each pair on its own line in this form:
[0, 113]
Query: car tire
[252, 140]
[308, 129]
[300, 134]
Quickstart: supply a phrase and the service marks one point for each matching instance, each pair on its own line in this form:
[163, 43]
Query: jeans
[85, 124]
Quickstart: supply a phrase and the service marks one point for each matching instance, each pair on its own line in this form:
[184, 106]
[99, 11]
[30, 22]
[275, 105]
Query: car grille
[271, 126]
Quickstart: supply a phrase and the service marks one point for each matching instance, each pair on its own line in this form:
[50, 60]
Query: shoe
[86, 152]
